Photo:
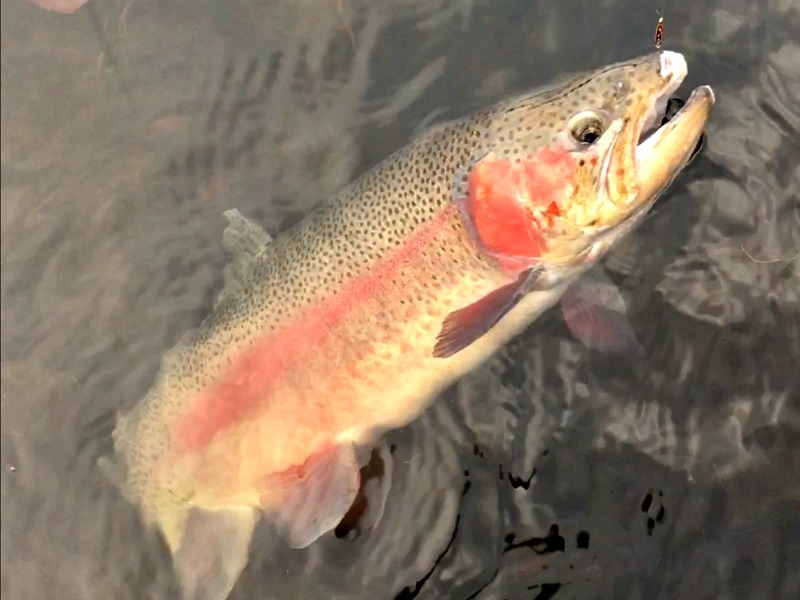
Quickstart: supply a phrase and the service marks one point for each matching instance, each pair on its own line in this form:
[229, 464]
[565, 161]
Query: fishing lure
[659, 34]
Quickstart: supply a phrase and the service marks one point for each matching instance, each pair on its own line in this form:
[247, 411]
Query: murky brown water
[553, 472]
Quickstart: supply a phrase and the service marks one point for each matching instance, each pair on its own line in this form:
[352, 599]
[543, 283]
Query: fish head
[564, 173]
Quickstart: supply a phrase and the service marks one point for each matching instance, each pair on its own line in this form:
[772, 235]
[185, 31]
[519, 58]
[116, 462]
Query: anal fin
[366, 512]
[213, 551]
[308, 501]
[377, 486]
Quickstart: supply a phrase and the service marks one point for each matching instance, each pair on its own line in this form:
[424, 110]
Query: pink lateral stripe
[251, 375]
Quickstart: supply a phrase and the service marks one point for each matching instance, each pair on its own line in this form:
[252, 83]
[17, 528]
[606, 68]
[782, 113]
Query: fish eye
[586, 127]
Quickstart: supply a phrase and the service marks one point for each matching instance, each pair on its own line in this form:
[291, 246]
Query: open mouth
[667, 107]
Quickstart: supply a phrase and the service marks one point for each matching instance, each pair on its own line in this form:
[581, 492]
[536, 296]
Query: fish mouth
[658, 145]
[629, 141]
[648, 151]
[670, 138]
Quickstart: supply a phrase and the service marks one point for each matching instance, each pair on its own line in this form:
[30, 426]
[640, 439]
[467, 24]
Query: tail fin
[210, 549]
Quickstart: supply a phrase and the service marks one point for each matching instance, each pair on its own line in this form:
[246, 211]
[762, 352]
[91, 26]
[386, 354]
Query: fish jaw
[661, 156]
[553, 193]
[619, 183]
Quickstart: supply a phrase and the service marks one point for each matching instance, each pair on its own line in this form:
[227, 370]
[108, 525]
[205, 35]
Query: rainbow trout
[351, 322]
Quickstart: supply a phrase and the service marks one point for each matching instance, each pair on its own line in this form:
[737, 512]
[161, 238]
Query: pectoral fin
[212, 551]
[594, 311]
[464, 326]
[309, 500]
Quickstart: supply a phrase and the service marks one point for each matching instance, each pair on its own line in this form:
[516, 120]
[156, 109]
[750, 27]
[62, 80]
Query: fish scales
[340, 239]
[335, 243]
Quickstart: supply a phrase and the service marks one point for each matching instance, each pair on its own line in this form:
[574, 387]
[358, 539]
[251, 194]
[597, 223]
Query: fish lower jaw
[646, 147]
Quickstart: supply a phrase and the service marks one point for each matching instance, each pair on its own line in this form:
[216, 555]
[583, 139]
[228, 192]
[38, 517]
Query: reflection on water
[129, 126]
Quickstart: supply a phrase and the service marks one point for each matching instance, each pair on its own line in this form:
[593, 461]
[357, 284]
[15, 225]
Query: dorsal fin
[243, 240]
[242, 235]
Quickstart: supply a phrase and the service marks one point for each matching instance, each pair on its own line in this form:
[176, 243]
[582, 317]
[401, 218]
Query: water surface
[552, 472]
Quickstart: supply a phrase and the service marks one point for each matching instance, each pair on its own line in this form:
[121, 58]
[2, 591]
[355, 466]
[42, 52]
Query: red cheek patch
[512, 204]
